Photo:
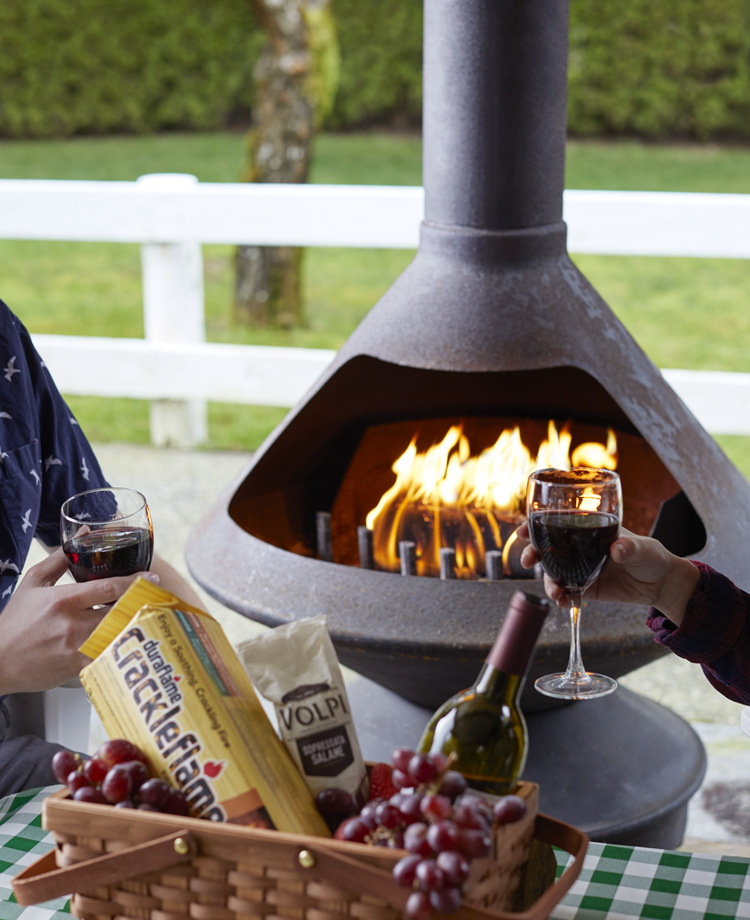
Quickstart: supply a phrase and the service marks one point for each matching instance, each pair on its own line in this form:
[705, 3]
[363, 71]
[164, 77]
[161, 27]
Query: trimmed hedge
[659, 67]
[654, 68]
[82, 66]
[381, 62]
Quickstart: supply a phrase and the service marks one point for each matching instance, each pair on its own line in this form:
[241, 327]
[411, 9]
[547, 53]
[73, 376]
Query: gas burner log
[364, 543]
[323, 535]
[407, 552]
[447, 563]
[493, 561]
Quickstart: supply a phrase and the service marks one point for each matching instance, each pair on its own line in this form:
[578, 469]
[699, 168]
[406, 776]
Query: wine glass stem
[575, 669]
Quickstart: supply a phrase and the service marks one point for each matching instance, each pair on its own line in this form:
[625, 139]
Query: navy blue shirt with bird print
[44, 456]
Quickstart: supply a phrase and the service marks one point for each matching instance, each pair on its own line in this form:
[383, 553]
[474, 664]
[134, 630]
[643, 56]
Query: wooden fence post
[174, 311]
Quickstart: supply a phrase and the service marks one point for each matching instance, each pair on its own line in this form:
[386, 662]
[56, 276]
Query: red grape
[367, 815]
[126, 803]
[454, 866]
[509, 809]
[422, 769]
[435, 807]
[411, 809]
[117, 784]
[335, 802]
[154, 792]
[418, 906]
[405, 870]
[429, 877]
[400, 759]
[137, 771]
[443, 835]
[118, 750]
[446, 901]
[463, 816]
[474, 844]
[95, 770]
[415, 839]
[176, 803]
[453, 785]
[64, 763]
[77, 781]
[472, 800]
[144, 806]
[89, 794]
[401, 780]
[388, 815]
[354, 830]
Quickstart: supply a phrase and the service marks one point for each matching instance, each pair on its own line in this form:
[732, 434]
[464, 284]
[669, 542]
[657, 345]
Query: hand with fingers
[640, 570]
[44, 624]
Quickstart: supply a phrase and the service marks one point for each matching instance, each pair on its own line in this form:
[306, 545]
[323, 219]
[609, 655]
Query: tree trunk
[296, 76]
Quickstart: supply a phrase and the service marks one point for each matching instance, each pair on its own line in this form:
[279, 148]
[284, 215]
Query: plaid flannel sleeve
[715, 633]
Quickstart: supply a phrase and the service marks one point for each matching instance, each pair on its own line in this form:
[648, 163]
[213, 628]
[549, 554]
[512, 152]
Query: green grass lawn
[688, 313]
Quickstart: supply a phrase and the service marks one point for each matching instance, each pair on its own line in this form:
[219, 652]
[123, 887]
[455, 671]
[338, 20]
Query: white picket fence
[172, 215]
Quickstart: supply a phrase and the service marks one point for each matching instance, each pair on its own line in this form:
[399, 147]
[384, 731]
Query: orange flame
[445, 497]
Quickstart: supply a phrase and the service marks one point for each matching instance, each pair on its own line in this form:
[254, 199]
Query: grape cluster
[442, 826]
[116, 775]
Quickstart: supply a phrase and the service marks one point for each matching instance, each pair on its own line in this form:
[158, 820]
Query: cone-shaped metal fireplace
[491, 319]
[490, 322]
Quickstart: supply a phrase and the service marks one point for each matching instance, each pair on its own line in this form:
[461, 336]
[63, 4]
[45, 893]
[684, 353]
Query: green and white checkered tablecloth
[616, 883]
[22, 841]
[622, 883]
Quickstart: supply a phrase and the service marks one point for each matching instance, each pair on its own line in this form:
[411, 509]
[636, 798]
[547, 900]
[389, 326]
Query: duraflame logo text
[150, 680]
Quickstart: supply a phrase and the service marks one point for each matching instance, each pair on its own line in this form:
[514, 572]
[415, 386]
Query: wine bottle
[484, 726]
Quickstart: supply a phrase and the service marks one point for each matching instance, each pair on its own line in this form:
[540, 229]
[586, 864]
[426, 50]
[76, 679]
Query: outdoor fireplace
[491, 326]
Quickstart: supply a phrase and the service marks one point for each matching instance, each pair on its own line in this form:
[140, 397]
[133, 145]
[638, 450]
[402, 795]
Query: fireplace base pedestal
[622, 768]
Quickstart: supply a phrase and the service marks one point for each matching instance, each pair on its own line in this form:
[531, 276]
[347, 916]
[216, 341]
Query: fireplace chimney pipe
[495, 89]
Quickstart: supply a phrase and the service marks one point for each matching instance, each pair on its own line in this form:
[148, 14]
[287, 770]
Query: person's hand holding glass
[573, 517]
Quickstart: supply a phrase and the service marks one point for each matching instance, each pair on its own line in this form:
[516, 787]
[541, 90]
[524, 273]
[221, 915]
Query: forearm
[715, 629]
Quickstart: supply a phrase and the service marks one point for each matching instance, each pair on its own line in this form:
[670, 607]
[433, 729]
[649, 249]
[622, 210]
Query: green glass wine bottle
[484, 725]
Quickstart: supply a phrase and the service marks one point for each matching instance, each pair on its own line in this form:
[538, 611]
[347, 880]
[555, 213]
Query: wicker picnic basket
[147, 866]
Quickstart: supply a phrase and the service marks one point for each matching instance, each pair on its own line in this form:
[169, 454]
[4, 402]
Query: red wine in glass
[106, 533]
[574, 517]
[102, 554]
[573, 544]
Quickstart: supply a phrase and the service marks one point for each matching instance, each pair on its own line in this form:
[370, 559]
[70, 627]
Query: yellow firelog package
[166, 678]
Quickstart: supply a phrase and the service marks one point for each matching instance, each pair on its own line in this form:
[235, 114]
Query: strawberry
[381, 786]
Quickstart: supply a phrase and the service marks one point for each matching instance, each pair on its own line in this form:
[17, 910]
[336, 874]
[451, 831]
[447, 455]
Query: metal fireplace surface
[492, 319]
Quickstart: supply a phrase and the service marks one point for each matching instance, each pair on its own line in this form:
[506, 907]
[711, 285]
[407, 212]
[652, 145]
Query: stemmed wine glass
[574, 517]
[106, 532]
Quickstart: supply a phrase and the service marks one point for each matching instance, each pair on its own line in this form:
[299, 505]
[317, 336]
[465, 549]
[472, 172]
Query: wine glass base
[576, 688]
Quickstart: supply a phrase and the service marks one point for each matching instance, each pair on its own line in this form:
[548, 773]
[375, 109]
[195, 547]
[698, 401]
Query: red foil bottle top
[515, 643]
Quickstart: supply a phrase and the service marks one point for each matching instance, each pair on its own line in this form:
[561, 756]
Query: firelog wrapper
[166, 678]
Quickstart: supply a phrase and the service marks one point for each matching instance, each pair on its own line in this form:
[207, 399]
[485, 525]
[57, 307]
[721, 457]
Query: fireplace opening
[341, 462]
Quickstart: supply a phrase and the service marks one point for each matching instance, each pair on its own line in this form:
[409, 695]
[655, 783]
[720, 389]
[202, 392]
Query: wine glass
[106, 532]
[574, 517]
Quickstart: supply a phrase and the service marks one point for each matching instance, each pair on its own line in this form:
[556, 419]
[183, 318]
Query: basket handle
[367, 879]
[42, 880]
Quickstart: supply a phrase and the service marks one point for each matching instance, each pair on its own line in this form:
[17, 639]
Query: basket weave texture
[241, 873]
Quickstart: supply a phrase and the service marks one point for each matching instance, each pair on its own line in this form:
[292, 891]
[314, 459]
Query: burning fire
[444, 497]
